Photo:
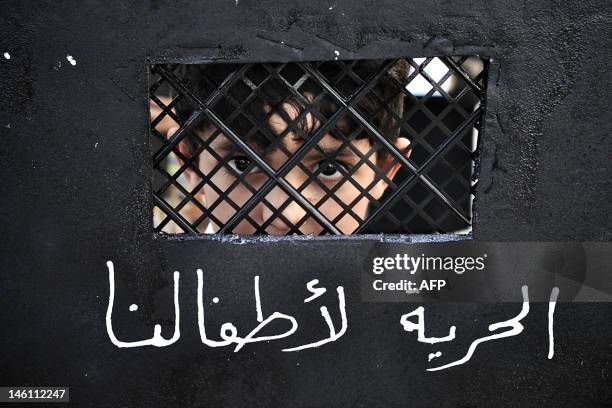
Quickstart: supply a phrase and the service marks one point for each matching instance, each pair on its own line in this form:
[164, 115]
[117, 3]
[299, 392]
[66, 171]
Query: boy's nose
[281, 221]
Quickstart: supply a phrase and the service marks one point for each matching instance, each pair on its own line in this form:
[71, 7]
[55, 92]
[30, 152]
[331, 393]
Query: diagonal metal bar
[214, 96]
[177, 218]
[196, 116]
[269, 171]
[308, 144]
[176, 138]
[390, 146]
[347, 105]
[459, 71]
[413, 177]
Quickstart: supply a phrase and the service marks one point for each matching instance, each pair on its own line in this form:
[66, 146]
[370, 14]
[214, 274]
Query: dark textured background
[75, 193]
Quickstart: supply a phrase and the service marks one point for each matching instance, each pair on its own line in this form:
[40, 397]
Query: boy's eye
[240, 164]
[329, 170]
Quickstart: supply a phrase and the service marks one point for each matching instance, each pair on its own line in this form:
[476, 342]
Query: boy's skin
[329, 176]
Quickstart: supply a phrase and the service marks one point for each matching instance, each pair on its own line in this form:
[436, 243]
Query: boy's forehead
[290, 142]
[282, 139]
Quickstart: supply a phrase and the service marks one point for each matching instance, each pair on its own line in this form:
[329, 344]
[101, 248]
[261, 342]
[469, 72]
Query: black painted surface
[75, 193]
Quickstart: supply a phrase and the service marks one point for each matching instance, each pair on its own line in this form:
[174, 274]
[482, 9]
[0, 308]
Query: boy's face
[321, 180]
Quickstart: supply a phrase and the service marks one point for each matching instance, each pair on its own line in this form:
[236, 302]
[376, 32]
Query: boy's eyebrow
[229, 146]
[318, 152]
[321, 152]
[226, 145]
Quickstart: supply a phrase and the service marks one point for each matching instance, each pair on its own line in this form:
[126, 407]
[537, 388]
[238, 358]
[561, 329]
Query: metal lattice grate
[333, 147]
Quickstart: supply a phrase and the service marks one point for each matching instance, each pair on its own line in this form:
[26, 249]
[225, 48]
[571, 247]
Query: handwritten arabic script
[229, 333]
[513, 326]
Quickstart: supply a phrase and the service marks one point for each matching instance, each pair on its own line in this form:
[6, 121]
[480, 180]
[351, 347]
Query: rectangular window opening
[316, 148]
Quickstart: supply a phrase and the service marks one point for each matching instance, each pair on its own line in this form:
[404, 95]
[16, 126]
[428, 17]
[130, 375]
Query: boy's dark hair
[261, 92]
